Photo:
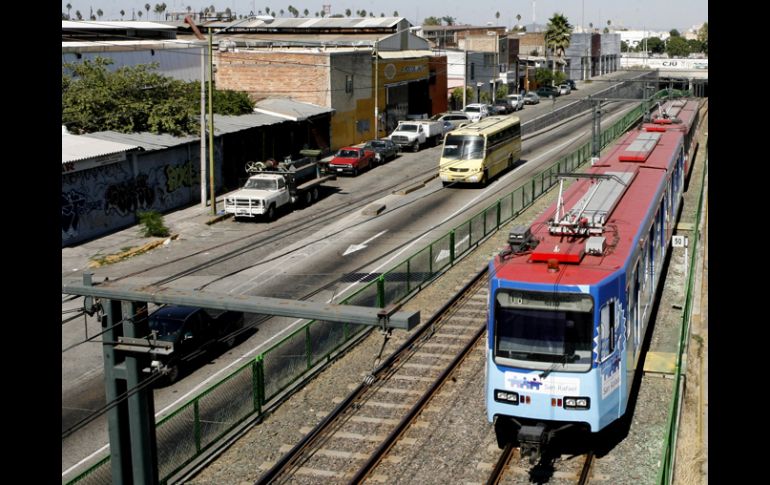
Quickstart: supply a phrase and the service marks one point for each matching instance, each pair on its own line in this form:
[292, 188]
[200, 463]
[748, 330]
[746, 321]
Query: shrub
[153, 224]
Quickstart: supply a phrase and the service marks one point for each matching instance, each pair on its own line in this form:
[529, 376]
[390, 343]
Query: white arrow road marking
[356, 247]
[444, 253]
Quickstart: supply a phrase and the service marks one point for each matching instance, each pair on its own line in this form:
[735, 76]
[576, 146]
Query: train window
[607, 336]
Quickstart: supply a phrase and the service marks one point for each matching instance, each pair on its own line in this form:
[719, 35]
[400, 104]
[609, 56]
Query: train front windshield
[537, 330]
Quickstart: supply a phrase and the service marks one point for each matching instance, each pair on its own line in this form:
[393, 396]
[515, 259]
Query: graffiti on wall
[127, 197]
[179, 176]
[101, 199]
[73, 204]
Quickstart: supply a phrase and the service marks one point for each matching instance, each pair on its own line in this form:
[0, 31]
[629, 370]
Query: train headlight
[506, 397]
[577, 402]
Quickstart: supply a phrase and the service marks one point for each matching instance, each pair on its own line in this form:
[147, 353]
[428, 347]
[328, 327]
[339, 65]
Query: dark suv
[547, 92]
[180, 334]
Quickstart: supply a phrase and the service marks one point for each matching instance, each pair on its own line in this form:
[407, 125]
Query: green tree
[449, 20]
[557, 36]
[518, 18]
[122, 13]
[147, 7]
[347, 12]
[139, 13]
[69, 7]
[132, 99]
[623, 46]
[694, 45]
[99, 13]
[395, 13]
[677, 47]
[543, 76]
[431, 21]
[654, 45]
[674, 33]
[306, 12]
[497, 15]
[501, 91]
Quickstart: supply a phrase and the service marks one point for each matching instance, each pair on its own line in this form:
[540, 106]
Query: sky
[632, 14]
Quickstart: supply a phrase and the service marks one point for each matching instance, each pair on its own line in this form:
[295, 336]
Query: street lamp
[212, 189]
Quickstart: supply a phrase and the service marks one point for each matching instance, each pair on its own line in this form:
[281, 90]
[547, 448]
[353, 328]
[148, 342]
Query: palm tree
[99, 13]
[497, 15]
[347, 12]
[395, 13]
[267, 10]
[306, 12]
[147, 7]
[69, 7]
[518, 18]
[122, 13]
[139, 13]
[78, 15]
[557, 36]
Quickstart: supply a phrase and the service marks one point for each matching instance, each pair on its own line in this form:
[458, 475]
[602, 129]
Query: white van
[516, 101]
[476, 111]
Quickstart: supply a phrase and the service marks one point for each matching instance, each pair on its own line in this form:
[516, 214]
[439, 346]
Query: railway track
[350, 443]
[509, 469]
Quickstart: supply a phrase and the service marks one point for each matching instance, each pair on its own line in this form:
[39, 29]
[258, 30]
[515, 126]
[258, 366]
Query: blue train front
[570, 301]
[554, 358]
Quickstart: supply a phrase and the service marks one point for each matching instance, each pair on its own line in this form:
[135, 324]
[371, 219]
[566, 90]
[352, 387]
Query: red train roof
[627, 191]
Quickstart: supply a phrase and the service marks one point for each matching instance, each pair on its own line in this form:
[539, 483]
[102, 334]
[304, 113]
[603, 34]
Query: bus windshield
[458, 147]
[534, 330]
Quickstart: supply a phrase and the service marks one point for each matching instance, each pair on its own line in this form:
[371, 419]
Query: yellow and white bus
[477, 152]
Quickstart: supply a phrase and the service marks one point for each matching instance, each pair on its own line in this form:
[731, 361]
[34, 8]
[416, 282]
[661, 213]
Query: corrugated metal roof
[405, 54]
[80, 147]
[288, 108]
[120, 45]
[313, 23]
[222, 124]
[113, 25]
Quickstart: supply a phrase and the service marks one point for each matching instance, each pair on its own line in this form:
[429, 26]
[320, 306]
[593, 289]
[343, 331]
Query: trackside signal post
[132, 421]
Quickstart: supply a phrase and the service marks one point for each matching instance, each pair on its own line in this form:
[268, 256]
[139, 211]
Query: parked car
[502, 107]
[476, 111]
[571, 83]
[564, 89]
[352, 160]
[547, 92]
[456, 118]
[182, 334]
[516, 101]
[531, 97]
[383, 149]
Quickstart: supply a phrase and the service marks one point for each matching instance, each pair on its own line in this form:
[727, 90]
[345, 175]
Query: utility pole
[376, 91]
[203, 128]
[212, 189]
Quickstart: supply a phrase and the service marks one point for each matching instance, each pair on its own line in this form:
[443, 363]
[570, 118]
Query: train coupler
[532, 440]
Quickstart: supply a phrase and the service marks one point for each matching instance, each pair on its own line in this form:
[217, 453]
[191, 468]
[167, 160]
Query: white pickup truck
[417, 133]
[273, 185]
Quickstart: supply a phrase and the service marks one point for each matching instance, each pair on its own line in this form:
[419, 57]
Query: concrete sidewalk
[188, 223]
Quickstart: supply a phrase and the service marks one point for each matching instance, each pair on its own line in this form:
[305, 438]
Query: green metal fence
[196, 426]
[666, 473]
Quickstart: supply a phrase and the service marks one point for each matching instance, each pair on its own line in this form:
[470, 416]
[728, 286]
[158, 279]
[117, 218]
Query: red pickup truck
[351, 160]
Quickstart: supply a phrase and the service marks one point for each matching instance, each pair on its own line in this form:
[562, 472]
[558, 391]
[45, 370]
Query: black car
[180, 334]
[571, 83]
[383, 149]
